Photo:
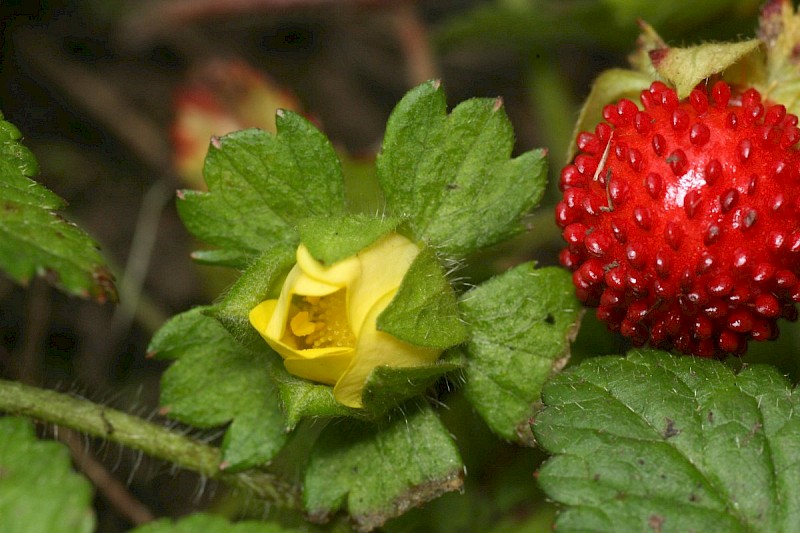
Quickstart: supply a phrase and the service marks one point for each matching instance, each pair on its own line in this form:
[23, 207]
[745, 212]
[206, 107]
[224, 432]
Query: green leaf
[377, 472]
[261, 281]
[34, 240]
[331, 239]
[655, 441]
[522, 323]
[451, 177]
[39, 491]
[209, 523]
[260, 187]
[216, 380]
[424, 311]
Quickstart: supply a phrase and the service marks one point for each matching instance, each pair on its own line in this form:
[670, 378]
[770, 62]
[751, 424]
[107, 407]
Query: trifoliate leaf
[216, 380]
[521, 323]
[209, 523]
[39, 491]
[258, 283]
[34, 239]
[659, 442]
[331, 239]
[375, 472]
[424, 311]
[260, 187]
[451, 176]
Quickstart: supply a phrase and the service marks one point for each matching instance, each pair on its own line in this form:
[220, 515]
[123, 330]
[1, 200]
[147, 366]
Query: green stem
[133, 432]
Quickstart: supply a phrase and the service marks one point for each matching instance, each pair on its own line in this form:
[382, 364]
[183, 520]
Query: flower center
[321, 321]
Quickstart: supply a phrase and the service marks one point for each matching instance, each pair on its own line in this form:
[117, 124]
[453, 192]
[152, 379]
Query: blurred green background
[95, 88]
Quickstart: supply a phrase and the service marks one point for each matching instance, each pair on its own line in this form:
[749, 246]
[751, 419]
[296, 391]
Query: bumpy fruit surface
[682, 219]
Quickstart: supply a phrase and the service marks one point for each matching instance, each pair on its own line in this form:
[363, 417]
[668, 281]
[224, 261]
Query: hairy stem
[133, 432]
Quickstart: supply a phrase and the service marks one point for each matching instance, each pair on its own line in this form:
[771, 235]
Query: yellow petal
[325, 368]
[339, 274]
[296, 283]
[383, 266]
[261, 316]
[376, 348]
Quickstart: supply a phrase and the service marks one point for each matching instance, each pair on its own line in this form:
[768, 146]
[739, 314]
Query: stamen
[321, 321]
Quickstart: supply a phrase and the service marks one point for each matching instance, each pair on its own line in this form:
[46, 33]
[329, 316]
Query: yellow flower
[324, 322]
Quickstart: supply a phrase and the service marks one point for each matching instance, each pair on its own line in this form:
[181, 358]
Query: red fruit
[683, 219]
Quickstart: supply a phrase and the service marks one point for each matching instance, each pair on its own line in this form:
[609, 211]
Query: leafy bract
[686, 67]
[258, 283]
[521, 324]
[654, 441]
[376, 472]
[39, 491]
[260, 187]
[34, 239]
[301, 398]
[216, 380]
[451, 177]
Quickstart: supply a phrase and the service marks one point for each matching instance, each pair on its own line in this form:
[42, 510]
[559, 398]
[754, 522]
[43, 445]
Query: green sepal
[521, 325]
[34, 239]
[679, 442]
[386, 387]
[216, 380]
[331, 239]
[610, 86]
[261, 281]
[450, 177]
[424, 311]
[375, 472]
[260, 187]
[684, 68]
[39, 490]
[301, 398]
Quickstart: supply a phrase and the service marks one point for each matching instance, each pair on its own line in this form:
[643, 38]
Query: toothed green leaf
[39, 491]
[655, 441]
[34, 239]
[216, 380]
[451, 177]
[376, 472]
[260, 187]
[521, 324]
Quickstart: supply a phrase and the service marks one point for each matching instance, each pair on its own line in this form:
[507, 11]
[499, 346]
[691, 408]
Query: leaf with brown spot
[37, 241]
[375, 472]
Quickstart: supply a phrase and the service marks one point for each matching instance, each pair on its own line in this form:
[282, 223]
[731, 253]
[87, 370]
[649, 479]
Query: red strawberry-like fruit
[682, 219]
